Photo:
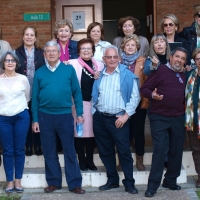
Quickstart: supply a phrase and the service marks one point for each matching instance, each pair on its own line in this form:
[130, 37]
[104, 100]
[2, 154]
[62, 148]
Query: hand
[80, 119]
[96, 75]
[156, 96]
[155, 61]
[35, 127]
[121, 120]
[188, 68]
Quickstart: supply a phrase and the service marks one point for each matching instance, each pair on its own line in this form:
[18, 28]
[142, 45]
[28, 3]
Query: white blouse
[14, 95]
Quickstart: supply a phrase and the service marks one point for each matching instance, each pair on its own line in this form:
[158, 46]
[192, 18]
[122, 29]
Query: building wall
[12, 23]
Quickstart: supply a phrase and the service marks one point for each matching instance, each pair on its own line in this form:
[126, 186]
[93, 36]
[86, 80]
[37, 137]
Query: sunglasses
[198, 15]
[170, 24]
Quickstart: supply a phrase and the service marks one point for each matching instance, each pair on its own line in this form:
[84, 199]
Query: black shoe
[83, 168]
[171, 187]
[38, 150]
[131, 189]
[149, 193]
[108, 186]
[29, 151]
[91, 167]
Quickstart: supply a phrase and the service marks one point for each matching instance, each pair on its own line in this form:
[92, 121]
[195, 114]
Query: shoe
[108, 186]
[171, 187]
[51, 188]
[150, 193]
[78, 190]
[131, 189]
[29, 151]
[19, 190]
[83, 168]
[9, 190]
[38, 150]
[139, 163]
[91, 167]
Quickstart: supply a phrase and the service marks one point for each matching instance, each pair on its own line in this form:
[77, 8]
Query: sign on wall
[36, 16]
[78, 20]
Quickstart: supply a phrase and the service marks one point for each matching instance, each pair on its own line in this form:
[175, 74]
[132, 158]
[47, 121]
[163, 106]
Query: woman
[192, 97]
[63, 32]
[86, 67]
[129, 25]
[170, 26]
[96, 33]
[130, 57]
[31, 58]
[14, 119]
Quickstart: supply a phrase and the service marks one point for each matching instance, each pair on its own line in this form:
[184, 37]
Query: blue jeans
[13, 131]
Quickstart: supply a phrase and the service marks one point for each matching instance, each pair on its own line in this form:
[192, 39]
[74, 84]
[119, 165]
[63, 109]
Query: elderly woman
[86, 67]
[14, 120]
[130, 57]
[192, 97]
[96, 33]
[129, 25]
[31, 58]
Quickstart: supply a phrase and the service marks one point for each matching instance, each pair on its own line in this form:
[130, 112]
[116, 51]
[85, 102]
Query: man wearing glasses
[165, 89]
[115, 97]
[54, 86]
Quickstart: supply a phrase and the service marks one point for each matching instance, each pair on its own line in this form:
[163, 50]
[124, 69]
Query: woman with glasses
[192, 113]
[87, 70]
[14, 119]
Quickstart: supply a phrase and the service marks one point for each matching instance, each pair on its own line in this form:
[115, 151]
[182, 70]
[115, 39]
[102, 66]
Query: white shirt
[14, 95]
[52, 68]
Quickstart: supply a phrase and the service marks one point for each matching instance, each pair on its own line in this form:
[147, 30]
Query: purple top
[170, 86]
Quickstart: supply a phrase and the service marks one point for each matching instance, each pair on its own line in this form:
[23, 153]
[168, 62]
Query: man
[115, 97]
[54, 86]
[166, 119]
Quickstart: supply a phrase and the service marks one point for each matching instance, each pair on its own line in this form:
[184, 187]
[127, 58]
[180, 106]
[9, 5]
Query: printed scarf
[129, 59]
[85, 65]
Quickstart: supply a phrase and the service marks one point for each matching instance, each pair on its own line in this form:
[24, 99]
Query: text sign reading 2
[35, 16]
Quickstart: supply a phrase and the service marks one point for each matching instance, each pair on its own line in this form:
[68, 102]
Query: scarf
[64, 56]
[85, 65]
[129, 59]
[189, 111]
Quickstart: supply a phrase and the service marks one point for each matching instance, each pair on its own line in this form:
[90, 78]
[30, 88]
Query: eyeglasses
[51, 51]
[111, 57]
[197, 59]
[9, 60]
[198, 15]
[170, 24]
[86, 49]
[179, 78]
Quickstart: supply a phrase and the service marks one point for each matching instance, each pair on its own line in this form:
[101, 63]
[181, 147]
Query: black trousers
[107, 136]
[137, 124]
[161, 126]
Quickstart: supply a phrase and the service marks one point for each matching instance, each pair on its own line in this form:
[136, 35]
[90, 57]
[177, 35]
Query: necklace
[6, 76]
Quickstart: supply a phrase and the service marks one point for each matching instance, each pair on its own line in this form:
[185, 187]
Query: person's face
[111, 59]
[160, 46]
[130, 47]
[9, 63]
[128, 27]
[29, 37]
[86, 51]
[178, 60]
[197, 19]
[64, 33]
[52, 54]
[95, 33]
[197, 61]
[169, 27]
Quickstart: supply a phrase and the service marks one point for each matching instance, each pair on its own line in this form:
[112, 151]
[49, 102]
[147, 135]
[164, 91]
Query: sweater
[168, 85]
[53, 91]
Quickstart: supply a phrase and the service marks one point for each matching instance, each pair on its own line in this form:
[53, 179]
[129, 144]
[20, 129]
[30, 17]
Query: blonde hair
[197, 10]
[4, 46]
[128, 38]
[195, 52]
[173, 18]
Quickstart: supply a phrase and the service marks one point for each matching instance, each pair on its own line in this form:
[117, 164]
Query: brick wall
[12, 23]
[183, 9]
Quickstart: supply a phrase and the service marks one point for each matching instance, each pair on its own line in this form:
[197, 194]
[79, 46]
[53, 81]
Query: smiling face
[169, 27]
[29, 37]
[64, 34]
[9, 64]
[130, 47]
[86, 51]
[160, 46]
[128, 27]
[111, 59]
[52, 55]
[178, 60]
[95, 34]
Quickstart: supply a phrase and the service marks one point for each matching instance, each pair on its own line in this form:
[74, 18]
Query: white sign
[78, 20]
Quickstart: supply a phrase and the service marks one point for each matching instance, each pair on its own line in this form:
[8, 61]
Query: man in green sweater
[54, 86]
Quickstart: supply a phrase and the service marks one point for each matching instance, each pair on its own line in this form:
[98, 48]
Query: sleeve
[27, 89]
[134, 100]
[148, 67]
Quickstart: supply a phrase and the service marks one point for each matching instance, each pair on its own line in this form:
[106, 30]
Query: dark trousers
[195, 146]
[63, 124]
[107, 136]
[32, 138]
[137, 124]
[161, 128]
[85, 150]
[13, 131]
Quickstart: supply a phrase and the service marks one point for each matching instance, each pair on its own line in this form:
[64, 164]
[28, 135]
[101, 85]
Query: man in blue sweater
[54, 86]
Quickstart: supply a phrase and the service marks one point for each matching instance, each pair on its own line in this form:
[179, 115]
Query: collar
[116, 70]
[52, 68]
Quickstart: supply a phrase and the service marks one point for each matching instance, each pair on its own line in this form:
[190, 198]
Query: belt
[110, 115]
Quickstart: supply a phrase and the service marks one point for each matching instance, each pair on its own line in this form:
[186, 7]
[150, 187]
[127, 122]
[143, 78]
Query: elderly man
[115, 97]
[54, 86]
[166, 119]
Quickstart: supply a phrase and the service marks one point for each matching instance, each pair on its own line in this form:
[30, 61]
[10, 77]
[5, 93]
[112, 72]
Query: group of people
[108, 89]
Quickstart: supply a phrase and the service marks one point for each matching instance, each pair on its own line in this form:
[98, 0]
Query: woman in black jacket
[31, 58]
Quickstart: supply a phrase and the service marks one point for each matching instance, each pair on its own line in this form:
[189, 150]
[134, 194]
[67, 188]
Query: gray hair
[51, 43]
[179, 49]
[4, 57]
[4, 46]
[110, 47]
